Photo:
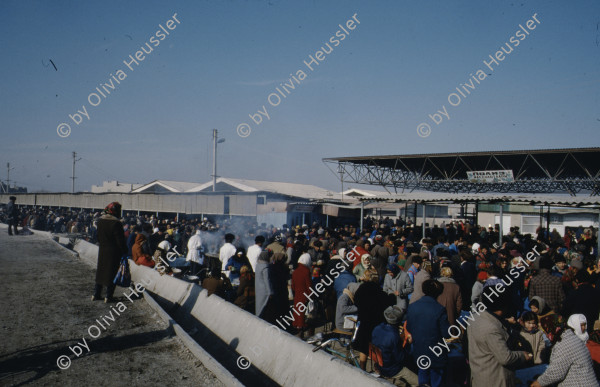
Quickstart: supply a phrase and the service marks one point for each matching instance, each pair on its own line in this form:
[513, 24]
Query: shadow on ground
[42, 359]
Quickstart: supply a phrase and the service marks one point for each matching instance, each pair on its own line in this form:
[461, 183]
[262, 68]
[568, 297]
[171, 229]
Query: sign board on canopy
[491, 176]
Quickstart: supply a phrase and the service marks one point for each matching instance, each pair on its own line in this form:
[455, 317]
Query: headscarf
[482, 276]
[164, 245]
[426, 265]
[237, 251]
[541, 303]
[113, 209]
[305, 260]
[575, 322]
[363, 260]
[393, 315]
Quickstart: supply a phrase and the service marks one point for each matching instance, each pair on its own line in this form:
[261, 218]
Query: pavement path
[45, 309]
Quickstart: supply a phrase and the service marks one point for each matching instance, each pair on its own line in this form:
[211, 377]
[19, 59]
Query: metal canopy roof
[535, 171]
[436, 197]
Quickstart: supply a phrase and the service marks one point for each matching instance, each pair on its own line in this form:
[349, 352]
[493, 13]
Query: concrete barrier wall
[176, 289]
[285, 359]
[87, 251]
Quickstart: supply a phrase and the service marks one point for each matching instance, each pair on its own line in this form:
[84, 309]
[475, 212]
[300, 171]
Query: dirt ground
[45, 308]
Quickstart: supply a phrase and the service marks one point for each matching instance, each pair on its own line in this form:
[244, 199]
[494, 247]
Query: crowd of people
[520, 312]
[57, 221]
[84, 223]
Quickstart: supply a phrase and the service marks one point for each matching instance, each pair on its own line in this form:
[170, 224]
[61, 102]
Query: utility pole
[216, 140]
[214, 174]
[8, 169]
[73, 178]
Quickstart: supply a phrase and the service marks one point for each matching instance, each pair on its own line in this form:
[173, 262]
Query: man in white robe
[227, 251]
[194, 254]
[255, 250]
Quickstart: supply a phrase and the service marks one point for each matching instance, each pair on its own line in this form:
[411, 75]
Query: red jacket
[300, 286]
[137, 252]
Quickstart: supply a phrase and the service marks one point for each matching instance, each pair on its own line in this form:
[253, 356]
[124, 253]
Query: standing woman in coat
[111, 239]
[451, 299]
[396, 282]
[371, 301]
[279, 274]
[423, 275]
[263, 288]
[300, 286]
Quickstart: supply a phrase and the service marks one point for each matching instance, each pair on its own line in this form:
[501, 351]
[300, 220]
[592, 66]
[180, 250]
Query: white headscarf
[305, 260]
[575, 322]
[363, 260]
[165, 245]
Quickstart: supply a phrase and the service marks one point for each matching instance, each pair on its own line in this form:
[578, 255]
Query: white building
[115, 186]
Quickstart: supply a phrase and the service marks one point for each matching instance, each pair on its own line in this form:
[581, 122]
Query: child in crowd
[532, 335]
[549, 321]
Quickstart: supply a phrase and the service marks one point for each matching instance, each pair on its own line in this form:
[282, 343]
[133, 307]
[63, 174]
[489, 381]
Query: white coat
[226, 252]
[194, 249]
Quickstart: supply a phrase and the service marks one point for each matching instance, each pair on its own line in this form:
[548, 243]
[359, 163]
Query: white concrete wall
[193, 203]
[284, 358]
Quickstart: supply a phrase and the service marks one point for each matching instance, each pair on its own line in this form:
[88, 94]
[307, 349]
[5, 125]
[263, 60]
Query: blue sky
[225, 57]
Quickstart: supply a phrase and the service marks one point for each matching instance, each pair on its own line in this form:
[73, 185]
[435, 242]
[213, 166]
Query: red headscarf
[113, 209]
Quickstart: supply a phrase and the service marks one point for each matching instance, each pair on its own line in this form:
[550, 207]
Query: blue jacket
[341, 282]
[131, 242]
[387, 339]
[412, 271]
[237, 264]
[427, 322]
[453, 249]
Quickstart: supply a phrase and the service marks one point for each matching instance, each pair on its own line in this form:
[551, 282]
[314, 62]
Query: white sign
[491, 176]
